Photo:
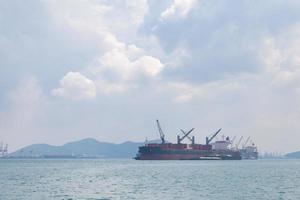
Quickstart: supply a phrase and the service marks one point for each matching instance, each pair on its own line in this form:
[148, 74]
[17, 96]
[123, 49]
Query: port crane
[161, 133]
[208, 140]
[3, 149]
[185, 135]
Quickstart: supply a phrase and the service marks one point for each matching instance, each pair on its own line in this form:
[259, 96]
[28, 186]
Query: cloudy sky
[108, 68]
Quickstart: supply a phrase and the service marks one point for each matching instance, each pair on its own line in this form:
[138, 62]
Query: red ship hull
[183, 152]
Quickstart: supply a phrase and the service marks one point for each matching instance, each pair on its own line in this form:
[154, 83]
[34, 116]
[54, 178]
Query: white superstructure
[221, 144]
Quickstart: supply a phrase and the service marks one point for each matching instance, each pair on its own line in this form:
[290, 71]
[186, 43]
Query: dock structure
[3, 150]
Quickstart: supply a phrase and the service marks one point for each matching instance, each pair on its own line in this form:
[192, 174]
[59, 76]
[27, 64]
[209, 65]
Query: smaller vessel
[249, 151]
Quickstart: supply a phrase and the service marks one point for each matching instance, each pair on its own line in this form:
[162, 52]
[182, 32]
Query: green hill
[293, 155]
[86, 148]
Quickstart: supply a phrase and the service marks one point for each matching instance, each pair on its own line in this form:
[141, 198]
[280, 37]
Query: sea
[91, 179]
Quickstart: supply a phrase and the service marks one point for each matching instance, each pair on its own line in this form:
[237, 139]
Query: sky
[107, 69]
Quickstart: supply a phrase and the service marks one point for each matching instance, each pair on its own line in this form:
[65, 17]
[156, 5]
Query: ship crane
[191, 139]
[244, 145]
[238, 144]
[208, 140]
[161, 133]
[232, 141]
[185, 134]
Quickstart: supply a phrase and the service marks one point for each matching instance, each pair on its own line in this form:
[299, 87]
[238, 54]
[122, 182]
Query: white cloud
[119, 62]
[100, 17]
[179, 8]
[280, 58]
[108, 87]
[122, 67]
[76, 86]
[117, 72]
[148, 65]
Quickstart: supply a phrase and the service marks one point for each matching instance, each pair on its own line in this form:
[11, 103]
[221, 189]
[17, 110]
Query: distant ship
[249, 152]
[218, 150]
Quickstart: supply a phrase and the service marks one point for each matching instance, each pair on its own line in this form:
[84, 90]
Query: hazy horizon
[107, 70]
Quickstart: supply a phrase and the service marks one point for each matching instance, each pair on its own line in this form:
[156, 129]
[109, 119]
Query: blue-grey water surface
[130, 179]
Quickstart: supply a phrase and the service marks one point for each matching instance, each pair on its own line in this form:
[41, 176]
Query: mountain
[86, 148]
[293, 155]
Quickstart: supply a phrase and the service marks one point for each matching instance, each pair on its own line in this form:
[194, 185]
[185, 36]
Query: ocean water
[130, 179]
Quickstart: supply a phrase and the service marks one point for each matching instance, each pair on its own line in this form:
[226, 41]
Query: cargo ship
[219, 150]
[249, 152]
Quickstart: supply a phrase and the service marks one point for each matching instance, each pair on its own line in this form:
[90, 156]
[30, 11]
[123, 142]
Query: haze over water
[130, 179]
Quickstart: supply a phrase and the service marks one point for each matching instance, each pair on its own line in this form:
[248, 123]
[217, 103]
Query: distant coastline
[90, 148]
